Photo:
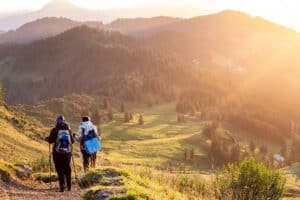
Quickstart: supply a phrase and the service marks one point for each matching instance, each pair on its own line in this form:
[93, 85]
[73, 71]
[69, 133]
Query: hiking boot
[61, 189]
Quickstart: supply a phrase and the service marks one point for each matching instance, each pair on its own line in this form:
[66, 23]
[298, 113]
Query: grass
[134, 186]
[45, 177]
[91, 178]
[161, 140]
[159, 145]
[19, 144]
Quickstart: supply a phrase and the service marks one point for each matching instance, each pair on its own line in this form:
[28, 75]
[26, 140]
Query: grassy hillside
[161, 139]
[20, 137]
[148, 161]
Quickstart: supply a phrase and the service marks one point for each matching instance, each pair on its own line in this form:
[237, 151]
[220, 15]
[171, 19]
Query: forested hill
[43, 28]
[85, 60]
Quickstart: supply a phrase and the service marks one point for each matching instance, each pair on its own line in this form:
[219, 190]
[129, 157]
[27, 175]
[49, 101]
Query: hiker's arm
[71, 136]
[98, 133]
[80, 133]
[52, 137]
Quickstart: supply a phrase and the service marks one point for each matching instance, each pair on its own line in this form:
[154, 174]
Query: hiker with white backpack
[89, 142]
[62, 140]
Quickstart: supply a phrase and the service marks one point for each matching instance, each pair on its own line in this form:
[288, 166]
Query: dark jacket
[53, 134]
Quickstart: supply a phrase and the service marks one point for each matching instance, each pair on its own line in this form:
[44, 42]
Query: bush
[45, 177]
[91, 178]
[249, 180]
[42, 165]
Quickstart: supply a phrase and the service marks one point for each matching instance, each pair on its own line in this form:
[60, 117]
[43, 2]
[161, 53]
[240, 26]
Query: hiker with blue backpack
[62, 140]
[89, 142]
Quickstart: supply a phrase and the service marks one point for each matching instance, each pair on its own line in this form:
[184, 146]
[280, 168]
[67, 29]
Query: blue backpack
[91, 142]
[63, 142]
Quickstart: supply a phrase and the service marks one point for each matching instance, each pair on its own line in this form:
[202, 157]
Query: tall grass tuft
[249, 180]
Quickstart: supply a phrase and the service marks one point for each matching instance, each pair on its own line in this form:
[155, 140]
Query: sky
[284, 12]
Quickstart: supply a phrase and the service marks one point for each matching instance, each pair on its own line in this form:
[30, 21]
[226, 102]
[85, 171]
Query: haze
[282, 12]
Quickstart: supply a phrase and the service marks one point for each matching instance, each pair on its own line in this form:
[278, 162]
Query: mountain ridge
[43, 28]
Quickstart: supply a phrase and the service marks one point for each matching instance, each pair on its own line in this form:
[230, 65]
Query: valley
[197, 108]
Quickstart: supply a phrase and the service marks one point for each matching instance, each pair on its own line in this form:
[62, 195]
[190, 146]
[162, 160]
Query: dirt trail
[31, 190]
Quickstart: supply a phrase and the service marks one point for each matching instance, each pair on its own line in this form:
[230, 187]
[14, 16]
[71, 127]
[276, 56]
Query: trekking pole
[50, 167]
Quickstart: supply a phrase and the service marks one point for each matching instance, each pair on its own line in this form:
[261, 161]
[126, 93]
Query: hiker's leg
[68, 170]
[94, 159]
[58, 162]
[85, 160]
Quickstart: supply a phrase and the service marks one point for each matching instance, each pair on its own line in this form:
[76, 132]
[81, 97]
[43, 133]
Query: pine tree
[263, 149]
[192, 153]
[141, 120]
[131, 116]
[105, 104]
[122, 107]
[283, 150]
[110, 115]
[126, 117]
[252, 147]
[235, 153]
[180, 118]
[96, 117]
[185, 154]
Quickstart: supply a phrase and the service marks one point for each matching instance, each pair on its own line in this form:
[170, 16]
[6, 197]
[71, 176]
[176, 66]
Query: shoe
[62, 189]
[69, 188]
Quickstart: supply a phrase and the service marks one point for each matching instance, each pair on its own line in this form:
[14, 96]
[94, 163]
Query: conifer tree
[263, 149]
[252, 147]
[96, 117]
[141, 120]
[105, 104]
[122, 107]
[131, 116]
[110, 115]
[126, 117]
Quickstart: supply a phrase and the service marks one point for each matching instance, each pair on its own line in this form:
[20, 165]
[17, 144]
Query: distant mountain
[51, 26]
[227, 38]
[43, 28]
[66, 9]
[83, 59]
[56, 8]
[137, 25]
[170, 50]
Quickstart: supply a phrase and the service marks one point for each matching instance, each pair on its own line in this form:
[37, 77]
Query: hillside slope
[20, 137]
[66, 62]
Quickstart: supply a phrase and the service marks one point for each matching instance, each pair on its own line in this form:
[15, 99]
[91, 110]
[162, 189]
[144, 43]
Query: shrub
[42, 165]
[45, 177]
[249, 180]
[91, 178]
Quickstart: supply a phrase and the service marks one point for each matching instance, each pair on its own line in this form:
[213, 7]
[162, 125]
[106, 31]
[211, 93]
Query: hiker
[88, 130]
[62, 140]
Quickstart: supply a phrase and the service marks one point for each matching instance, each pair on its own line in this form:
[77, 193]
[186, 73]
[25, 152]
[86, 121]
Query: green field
[152, 153]
[160, 142]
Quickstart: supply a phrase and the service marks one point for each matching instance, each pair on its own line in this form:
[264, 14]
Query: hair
[60, 119]
[85, 119]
